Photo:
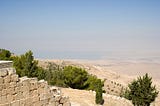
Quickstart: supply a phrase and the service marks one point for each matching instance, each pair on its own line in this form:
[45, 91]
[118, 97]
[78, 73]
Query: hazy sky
[80, 28]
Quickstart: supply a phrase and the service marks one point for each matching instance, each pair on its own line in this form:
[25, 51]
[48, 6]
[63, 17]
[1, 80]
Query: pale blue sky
[80, 28]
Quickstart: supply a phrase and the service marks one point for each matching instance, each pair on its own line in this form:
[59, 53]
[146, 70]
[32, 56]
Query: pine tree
[26, 65]
[141, 91]
[5, 54]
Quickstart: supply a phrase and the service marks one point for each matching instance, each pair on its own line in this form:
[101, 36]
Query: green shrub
[99, 92]
[75, 77]
[141, 91]
[5, 54]
[25, 65]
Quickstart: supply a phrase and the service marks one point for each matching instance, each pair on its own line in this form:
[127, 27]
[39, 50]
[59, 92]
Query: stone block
[3, 99]
[42, 97]
[55, 90]
[38, 103]
[26, 83]
[6, 85]
[22, 102]
[3, 72]
[1, 87]
[35, 99]
[33, 85]
[4, 92]
[19, 96]
[41, 91]
[17, 89]
[1, 80]
[7, 79]
[15, 103]
[10, 91]
[25, 88]
[11, 71]
[52, 100]
[14, 78]
[25, 94]
[52, 104]
[9, 98]
[33, 93]
[42, 84]
[58, 98]
[67, 104]
[64, 99]
[44, 102]
[28, 102]
[0, 93]
[6, 104]
[13, 84]
[19, 84]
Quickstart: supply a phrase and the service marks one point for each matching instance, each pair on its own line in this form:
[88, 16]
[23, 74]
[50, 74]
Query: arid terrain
[117, 74]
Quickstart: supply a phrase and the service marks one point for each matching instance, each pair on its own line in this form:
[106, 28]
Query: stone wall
[5, 64]
[15, 91]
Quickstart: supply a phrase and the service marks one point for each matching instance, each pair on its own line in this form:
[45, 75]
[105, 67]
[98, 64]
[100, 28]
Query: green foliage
[92, 82]
[58, 78]
[78, 78]
[141, 91]
[26, 65]
[75, 77]
[5, 54]
[99, 92]
[41, 73]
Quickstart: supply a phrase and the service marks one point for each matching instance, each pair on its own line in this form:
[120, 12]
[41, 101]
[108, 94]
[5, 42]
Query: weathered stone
[38, 103]
[13, 84]
[11, 71]
[1, 80]
[15, 103]
[60, 105]
[19, 95]
[4, 92]
[6, 104]
[9, 98]
[10, 90]
[44, 102]
[25, 94]
[3, 72]
[7, 79]
[52, 104]
[14, 78]
[33, 84]
[55, 90]
[1, 87]
[22, 102]
[58, 98]
[67, 104]
[35, 99]
[3, 99]
[28, 102]
[6, 85]
[63, 99]
[33, 93]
